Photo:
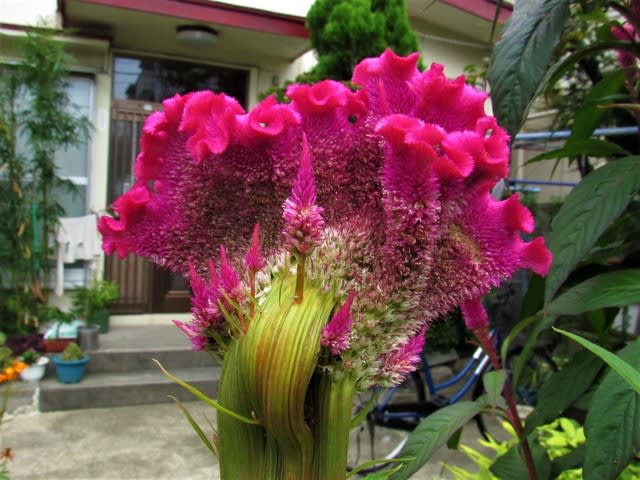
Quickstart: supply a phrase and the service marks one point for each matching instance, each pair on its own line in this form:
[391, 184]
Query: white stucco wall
[29, 12]
[297, 8]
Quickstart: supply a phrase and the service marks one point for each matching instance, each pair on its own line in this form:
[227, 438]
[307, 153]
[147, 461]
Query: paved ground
[150, 442]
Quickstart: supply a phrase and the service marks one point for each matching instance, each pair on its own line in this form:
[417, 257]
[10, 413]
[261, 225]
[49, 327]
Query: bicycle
[397, 411]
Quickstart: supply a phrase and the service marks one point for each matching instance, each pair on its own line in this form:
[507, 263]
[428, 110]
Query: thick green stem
[241, 446]
[333, 399]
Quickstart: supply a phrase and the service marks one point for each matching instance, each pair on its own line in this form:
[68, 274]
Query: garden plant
[36, 120]
[375, 217]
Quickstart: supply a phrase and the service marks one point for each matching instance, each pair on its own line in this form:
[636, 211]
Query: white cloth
[77, 239]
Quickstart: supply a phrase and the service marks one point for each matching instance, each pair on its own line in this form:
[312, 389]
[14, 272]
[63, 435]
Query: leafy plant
[87, 300]
[36, 120]
[343, 32]
[30, 357]
[72, 352]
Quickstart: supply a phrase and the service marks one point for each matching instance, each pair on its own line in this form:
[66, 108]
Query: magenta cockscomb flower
[303, 223]
[337, 333]
[397, 206]
[625, 33]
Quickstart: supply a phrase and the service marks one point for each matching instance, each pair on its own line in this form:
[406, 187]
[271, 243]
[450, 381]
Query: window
[153, 80]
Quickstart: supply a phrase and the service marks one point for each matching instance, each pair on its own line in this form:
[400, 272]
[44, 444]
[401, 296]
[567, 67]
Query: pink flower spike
[302, 217]
[198, 341]
[337, 333]
[253, 260]
[404, 360]
[228, 276]
[474, 314]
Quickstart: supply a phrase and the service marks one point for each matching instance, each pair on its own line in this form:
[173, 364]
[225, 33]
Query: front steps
[122, 371]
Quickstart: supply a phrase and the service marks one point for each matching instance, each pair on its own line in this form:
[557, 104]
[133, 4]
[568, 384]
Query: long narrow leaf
[195, 426]
[626, 371]
[586, 213]
[590, 115]
[432, 433]
[585, 146]
[612, 426]
[563, 389]
[613, 289]
[521, 57]
[198, 394]
[383, 474]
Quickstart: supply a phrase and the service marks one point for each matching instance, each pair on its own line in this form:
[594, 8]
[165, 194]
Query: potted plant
[62, 332]
[36, 366]
[71, 364]
[90, 303]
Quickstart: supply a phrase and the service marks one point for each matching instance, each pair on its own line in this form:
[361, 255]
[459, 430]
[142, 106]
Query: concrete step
[137, 387]
[129, 360]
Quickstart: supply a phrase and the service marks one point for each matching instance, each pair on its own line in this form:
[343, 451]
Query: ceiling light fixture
[196, 36]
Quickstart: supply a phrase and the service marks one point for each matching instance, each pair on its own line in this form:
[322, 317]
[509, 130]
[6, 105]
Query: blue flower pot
[70, 371]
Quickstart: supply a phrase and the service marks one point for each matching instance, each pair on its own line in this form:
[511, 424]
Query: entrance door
[144, 288]
[139, 85]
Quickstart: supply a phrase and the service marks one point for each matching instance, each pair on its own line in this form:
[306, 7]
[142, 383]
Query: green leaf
[493, 382]
[587, 211]
[432, 433]
[212, 403]
[573, 459]
[195, 426]
[521, 57]
[515, 331]
[584, 146]
[540, 325]
[563, 388]
[383, 475]
[511, 465]
[613, 289]
[612, 426]
[454, 441]
[630, 374]
[590, 115]
[565, 65]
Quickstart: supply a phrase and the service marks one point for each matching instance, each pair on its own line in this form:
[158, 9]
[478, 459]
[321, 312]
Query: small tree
[36, 120]
[343, 32]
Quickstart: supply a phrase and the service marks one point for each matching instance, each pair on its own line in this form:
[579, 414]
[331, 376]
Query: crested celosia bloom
[401, 169]
[625, 33]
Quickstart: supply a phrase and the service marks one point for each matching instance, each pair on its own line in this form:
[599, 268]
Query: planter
[34, 373]
[70, 371]
[101, 319]
[57, 345]
[88, 338]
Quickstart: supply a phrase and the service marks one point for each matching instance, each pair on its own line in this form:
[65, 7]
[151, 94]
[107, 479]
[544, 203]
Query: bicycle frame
[404, 415]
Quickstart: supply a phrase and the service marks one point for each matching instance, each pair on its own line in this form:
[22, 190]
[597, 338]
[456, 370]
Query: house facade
[131, 54]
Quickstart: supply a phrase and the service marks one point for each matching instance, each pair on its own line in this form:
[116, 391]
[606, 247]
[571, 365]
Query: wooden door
[144, 288]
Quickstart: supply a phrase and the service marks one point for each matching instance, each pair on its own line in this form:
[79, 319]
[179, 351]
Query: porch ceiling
[463, 19]
[245, 37]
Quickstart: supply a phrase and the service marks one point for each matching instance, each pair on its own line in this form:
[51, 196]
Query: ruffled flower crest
[402, 170]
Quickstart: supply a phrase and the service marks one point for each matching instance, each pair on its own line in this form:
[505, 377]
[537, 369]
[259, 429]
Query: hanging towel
[77, 239]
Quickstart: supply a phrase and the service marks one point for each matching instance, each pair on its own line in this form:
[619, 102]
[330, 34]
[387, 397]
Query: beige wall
[29, 12]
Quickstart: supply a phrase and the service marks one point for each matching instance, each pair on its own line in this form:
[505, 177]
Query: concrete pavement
[147, 442]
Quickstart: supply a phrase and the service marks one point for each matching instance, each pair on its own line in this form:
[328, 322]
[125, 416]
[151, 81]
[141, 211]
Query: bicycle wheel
[384, 431]
[538, 367]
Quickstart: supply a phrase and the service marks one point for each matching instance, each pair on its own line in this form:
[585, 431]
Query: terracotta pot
[57, 345]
